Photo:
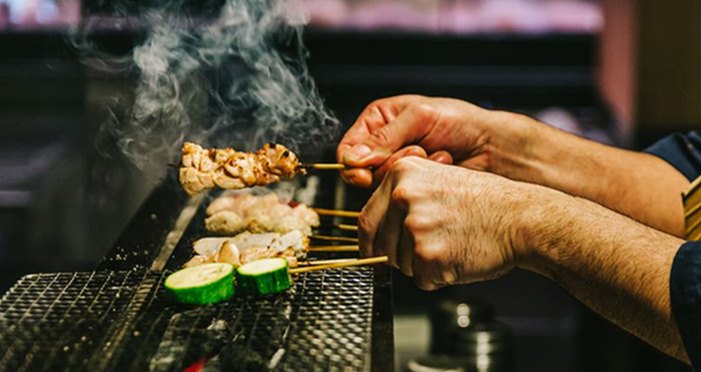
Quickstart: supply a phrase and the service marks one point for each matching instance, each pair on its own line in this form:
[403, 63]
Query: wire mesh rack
[124, 320]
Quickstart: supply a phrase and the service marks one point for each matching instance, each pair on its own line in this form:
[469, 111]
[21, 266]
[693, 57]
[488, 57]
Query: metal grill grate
[123, 320]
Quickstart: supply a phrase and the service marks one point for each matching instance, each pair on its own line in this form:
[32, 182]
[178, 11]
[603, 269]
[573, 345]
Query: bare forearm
[614, 265]
[638, 185]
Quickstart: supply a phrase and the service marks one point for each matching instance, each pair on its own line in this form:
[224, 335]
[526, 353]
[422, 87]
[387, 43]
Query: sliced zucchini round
[202, 285]
[264, 277]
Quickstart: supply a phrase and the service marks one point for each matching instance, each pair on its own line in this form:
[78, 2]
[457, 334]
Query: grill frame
[135, 251]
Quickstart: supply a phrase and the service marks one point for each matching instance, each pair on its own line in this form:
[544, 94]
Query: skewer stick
[336, 212]
[360, 262]
[324, 166]
[324, 262]
[343, 226]
[340, 226]
[335, 248]
[335, 238]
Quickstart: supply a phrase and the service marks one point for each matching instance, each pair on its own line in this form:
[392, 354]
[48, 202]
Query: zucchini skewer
[264, 277]
[272, 275]
[213, 282]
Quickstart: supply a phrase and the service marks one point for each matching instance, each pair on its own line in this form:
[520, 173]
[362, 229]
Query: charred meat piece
[227, 168]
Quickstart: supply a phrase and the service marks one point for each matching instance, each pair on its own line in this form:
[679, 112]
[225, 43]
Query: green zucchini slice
[264, 277]
[202, 285]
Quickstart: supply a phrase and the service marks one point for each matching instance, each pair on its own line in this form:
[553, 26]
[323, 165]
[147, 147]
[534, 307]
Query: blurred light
[459, 16]
[38, 14]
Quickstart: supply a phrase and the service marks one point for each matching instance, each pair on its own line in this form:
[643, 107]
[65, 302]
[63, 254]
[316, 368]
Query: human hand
[443, 224]
[449, 225]
[444, 130]
[641, 186]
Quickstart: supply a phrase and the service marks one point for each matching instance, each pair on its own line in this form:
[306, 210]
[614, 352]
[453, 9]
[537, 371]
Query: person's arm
[447, 225]
[639, 185]
[614, 265]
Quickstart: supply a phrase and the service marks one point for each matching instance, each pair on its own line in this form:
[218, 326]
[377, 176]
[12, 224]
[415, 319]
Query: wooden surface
[669, 72]
[650, 53]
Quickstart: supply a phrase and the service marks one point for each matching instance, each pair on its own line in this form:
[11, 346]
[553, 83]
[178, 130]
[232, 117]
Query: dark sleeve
[685, 292]
[682, 151]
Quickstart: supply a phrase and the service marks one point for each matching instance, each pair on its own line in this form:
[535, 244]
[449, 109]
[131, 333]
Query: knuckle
[399, 195]
[419, 223]
[374, 105]
[423, 112]
[403, 165]
[382, 135]
[379, 102]
[429, 253]
[414, 225]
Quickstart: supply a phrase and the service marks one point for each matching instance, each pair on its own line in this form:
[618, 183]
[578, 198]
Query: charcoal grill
[119, 317]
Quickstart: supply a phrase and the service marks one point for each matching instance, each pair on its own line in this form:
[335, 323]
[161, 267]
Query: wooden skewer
[335, 238]
[343, 226]
[324, 166]
[340, 226]
[335, 248]
[336, 212]
[360, 262]
[324, 262]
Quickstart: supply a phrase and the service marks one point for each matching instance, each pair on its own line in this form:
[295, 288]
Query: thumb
[408, 128]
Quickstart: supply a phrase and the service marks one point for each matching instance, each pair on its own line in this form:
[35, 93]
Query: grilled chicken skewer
[235, 211]
[248, 247]
[227, 168]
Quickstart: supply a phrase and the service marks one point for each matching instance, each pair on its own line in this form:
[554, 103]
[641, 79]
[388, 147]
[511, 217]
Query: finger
[427, 272]
[389, 234]
[365, 178]
[442, 157]
[423, 277]
[376, 115]
[408, 128]
[405, 253]
[359, 177]
[371, 216]
[379, 174]
[426, 285]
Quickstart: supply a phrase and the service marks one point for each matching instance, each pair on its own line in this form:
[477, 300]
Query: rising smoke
[233, 75]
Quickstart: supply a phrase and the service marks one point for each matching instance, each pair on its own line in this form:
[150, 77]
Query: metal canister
[469, 332]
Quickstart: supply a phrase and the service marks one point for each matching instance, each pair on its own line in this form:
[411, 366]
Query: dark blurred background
[617, 71]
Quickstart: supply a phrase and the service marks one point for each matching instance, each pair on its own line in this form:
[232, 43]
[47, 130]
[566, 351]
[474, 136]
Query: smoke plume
[231, 75]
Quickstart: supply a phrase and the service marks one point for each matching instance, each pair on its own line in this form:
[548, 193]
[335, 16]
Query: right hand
[446, 130]
[445, 225]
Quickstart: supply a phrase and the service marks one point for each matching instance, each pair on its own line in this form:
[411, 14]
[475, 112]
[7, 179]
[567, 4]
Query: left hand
[444, 224]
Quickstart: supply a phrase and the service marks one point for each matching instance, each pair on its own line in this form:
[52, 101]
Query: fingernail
[358, 152]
